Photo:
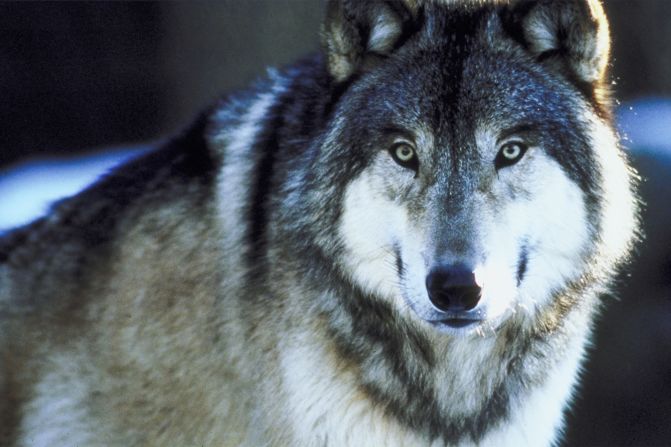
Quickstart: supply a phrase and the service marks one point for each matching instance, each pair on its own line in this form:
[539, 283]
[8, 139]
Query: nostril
[453, 288]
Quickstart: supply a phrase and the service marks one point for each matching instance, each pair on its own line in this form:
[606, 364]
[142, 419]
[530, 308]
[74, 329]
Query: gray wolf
[401, 240]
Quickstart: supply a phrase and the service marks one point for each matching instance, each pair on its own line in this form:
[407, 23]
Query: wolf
[401, 240]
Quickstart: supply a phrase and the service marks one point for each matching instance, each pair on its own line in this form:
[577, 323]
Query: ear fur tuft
[354, 29]
[574, 32]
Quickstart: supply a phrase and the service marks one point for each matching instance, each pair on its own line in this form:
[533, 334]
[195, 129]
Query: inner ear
[385, 31]
[570, 36]
[356, 34]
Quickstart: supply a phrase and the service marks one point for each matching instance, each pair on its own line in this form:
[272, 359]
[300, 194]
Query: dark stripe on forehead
[451, 38]
[449, 41]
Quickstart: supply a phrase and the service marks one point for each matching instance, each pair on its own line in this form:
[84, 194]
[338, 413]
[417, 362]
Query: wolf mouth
[456, 323]
[459, 322]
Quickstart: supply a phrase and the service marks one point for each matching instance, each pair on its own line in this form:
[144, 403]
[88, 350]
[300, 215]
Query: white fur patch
[546, 223]
[369, 226]
[559, 235]
[618, 206]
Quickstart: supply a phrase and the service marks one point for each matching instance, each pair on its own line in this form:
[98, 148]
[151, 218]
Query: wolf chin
[401, 240]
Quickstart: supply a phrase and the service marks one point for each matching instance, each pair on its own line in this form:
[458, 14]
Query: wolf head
[471, 152]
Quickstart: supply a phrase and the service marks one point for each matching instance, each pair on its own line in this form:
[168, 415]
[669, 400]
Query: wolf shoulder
[96, 289]
[150, 213]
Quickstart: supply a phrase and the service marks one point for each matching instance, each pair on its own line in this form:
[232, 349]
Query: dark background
[76, 76]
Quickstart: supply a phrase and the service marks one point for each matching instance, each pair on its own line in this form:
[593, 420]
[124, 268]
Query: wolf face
[474, 195]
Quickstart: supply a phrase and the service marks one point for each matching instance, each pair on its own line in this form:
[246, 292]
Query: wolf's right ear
[570, 35]
[356, 32]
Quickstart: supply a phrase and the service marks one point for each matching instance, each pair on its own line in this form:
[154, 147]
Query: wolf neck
[488, 382]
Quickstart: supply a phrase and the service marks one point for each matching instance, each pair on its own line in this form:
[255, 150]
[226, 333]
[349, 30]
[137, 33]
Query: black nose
[452, 288]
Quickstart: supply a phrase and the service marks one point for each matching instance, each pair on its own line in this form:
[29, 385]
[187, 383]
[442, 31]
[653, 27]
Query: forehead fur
[414, 5]
[460, 60]
[567, 38]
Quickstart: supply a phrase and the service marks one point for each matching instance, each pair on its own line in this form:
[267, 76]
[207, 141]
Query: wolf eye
[404, 154]
[509, 154]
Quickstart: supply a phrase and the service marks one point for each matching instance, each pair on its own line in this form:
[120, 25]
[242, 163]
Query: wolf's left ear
[356, 32]
[571, 35]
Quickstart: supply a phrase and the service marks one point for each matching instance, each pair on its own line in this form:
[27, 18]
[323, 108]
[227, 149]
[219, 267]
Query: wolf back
[401, 240]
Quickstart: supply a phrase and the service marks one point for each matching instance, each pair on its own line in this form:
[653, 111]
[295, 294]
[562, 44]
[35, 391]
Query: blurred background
[84, 85]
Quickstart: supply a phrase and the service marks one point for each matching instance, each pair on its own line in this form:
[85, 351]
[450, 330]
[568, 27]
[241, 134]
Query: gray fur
[220, 290]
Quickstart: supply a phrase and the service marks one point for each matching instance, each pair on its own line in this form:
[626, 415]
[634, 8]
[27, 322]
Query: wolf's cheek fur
[371, 228]
[549, 241]
[620, 208]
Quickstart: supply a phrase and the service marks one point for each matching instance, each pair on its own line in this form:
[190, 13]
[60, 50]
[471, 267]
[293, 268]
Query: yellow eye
[509, 154]
[511, 151]
[404, 154]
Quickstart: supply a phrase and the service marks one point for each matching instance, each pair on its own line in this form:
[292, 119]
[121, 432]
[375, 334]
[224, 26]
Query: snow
[28, 189]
